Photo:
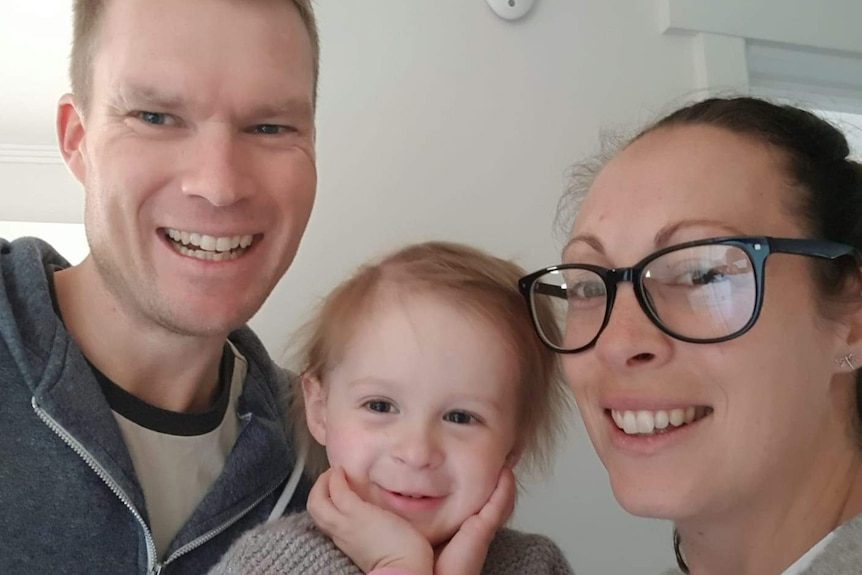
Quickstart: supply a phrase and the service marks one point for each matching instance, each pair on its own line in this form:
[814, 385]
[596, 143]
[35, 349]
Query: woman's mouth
[653, 422]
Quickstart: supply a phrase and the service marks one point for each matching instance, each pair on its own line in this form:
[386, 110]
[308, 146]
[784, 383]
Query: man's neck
[769, 534]
[165, 369]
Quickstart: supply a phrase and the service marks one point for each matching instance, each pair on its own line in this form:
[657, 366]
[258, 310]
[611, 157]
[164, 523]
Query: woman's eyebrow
[664, 235]
[588, 239]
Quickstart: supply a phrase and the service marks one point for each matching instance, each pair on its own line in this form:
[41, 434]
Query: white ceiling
[35, 36]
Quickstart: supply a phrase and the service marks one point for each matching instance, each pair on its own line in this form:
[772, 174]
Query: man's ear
[314, 395]
[70, 133]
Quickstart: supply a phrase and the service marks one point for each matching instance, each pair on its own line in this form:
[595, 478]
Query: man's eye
[154, 118]
[380, 406]
[459, 417]
[269, 129]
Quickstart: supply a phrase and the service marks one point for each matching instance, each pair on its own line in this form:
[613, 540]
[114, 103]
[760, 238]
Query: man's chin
[206, 323]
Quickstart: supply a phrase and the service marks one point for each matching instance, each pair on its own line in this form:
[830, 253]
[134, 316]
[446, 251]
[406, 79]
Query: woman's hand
[465, 553]
[372, 537]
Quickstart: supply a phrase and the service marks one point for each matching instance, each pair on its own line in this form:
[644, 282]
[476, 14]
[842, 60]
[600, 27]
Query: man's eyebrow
[140, 94]
[293, 107]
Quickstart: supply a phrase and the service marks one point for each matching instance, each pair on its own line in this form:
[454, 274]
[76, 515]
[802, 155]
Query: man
[140, 425]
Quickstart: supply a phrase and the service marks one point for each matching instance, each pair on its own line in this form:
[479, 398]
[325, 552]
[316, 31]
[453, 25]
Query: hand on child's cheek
[465, 553]
[374, 538]
[370, 536]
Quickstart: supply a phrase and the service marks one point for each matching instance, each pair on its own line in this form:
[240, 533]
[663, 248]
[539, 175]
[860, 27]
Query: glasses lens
[702, 292]
[569, 307]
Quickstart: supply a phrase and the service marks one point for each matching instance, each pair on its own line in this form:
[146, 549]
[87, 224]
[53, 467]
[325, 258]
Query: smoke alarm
[511, 9]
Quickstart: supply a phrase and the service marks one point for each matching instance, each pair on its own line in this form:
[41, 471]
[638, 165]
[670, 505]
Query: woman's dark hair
[815, 155]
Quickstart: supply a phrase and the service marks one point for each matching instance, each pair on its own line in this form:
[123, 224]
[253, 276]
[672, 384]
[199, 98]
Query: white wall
[436, 120]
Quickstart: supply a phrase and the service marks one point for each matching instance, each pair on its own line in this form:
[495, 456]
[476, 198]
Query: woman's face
[766, 404]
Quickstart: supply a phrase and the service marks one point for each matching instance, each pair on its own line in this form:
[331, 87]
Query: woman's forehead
[699, 173]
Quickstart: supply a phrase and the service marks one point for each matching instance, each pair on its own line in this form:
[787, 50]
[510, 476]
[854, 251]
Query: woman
[717, 377]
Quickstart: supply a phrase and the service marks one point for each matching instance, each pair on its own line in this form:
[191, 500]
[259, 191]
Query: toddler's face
[420, 412]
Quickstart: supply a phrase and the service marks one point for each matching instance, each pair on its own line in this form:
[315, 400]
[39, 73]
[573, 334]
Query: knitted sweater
[294, 546]
[841, 556]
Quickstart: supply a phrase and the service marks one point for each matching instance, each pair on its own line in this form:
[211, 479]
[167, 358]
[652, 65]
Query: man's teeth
[207, 247]
[646, 422]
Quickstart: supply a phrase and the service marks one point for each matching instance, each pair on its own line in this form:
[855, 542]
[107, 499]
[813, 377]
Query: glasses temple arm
[549, 289]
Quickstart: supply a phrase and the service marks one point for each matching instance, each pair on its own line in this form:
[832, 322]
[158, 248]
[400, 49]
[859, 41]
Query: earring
[847, 361]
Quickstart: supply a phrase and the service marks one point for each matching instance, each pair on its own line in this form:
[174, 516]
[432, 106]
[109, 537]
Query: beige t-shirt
[176, 470]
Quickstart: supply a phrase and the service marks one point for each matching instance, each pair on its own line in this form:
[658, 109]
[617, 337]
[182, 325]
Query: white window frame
[802, 50]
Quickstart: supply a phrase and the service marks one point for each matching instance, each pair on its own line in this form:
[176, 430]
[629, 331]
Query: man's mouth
[647, 422]
[206, 247]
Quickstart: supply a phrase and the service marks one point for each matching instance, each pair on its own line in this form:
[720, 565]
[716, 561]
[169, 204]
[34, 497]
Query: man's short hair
[88, 13]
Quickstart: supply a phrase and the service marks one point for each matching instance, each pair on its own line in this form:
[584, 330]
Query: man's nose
[217, 168]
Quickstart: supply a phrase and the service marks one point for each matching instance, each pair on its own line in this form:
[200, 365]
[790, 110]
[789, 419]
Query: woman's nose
[631, 339]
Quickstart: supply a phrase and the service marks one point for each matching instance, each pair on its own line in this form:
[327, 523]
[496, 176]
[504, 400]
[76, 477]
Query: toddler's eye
[380, 406]
[459, 417]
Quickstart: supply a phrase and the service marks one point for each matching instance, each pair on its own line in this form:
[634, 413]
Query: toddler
[424, 386]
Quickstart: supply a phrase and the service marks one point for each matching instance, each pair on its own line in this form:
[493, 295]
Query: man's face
[197, 157]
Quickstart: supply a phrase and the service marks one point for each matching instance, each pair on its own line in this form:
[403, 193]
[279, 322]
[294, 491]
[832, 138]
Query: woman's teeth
[648, 422]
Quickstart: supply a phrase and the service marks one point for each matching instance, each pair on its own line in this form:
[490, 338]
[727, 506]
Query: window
[68, 239]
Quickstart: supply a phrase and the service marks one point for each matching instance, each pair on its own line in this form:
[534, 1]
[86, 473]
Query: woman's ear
[849, 356]
[314, 395]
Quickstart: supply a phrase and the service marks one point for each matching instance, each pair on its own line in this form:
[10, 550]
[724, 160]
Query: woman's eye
[587, 290]
[380, 406]
[459, 417]
[704, 277]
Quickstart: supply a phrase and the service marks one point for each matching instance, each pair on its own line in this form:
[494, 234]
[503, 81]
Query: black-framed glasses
[705, 291]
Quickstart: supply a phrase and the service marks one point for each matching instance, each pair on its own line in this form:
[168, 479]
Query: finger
[320, 489]
[320, 506]
[482, 527]
[465, 553]
[342, 496]
[501, 504]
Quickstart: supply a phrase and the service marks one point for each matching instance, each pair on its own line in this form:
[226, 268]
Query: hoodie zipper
[194, 544]
[154, 567]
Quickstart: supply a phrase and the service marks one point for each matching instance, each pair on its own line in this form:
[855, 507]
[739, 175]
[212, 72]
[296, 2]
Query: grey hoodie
[69, 498]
